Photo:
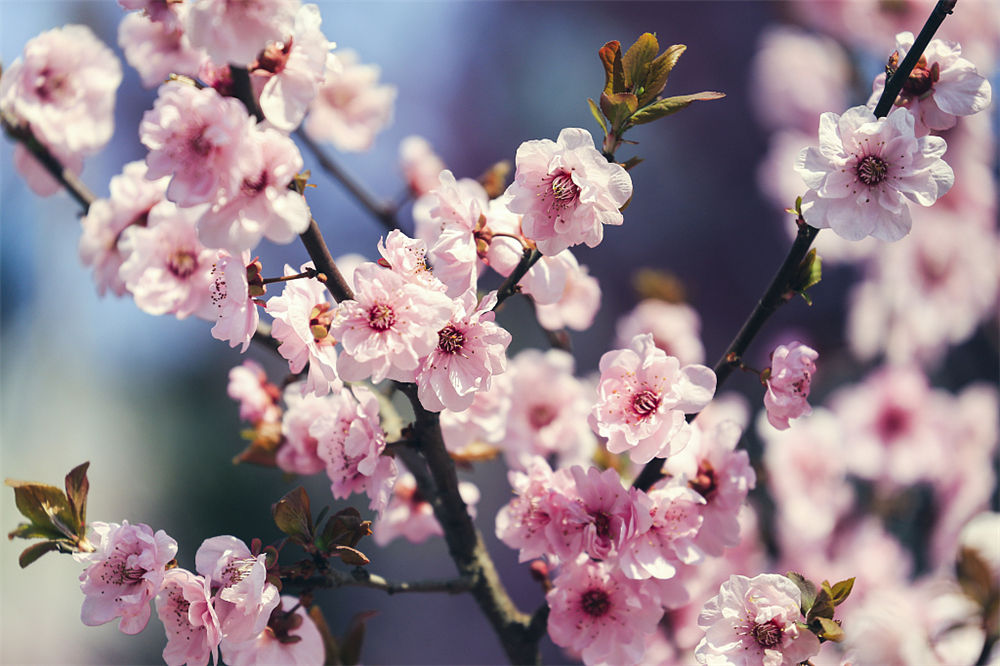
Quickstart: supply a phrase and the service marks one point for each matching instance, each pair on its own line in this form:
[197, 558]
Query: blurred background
[143, 398]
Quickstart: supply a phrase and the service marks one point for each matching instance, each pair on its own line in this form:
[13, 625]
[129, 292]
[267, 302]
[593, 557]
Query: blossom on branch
[788, 381]
[290, 638]
[235, 32]
[185, 608]
[159, 48]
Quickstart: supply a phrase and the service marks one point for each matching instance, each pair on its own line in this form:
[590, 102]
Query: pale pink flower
[410, 515]
[195, 137]
[389, 326]
[421, 166]
[788, 382]
[157, 49]
[185, 609]
[753, 621]
[471, 349]
[162, 11]
[567, 191]
[712, 466]
[548, 409]
[235, 32]
[578, 304]
[298, 454]
[407, 257]
[351, 107]
[268, 648]
[303, 316]
[546, 281]
[350, 440]
[485, 421]
[523, 523]
[597, 515]
[168, 270]
[643, 396]
[258, 397]
[865, 168]
[675, 512]
[675, 327]
[123, 574]
[597, 612]
[261, 204]
[237, 316]
[292, 70]
[64, 87]
[942, 85]
[244, 599]
[132, 197]
[503, 253]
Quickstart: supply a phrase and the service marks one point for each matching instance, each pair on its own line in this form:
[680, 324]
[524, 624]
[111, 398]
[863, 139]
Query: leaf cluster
[338, 536]
[818, 605]
[57, 516]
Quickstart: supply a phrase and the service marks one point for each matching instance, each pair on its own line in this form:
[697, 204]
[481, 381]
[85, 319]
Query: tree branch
[509, 286]
[313, 241]
[360, 577]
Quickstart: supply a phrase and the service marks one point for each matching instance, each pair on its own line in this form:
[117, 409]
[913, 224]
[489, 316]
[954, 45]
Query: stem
[509, 286]
[384, 213]
[308, 273]
[363, 578]
[312, 238]
[243, 90]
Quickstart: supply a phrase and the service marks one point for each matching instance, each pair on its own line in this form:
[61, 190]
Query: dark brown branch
[384, 213]
[529, 258]
[312, 238]
[243, 91]
[363, 578]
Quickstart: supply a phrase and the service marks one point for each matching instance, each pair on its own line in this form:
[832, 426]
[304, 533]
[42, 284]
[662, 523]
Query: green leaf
[618, 108]
[670, 105]
[636, 61]
[33, 552]
[659, 72]
[292, 516]
[350, 650]
[596, 112]
[614, 77]
[830, 630]
[44, 505]
[840, 591]
[822, 607]
[77, 487]
[807, 589]
[32, 531]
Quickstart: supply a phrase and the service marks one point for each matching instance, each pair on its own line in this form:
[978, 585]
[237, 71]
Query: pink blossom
[300, 644]
[67, 99]
[156, 48]
[237, 316]
[195, 137]
[411, 516]
[597, 612]
[187, 614]
[261, 204]
[523, 523]
[420, 164]
[567, 191]
[293, 70]
[168, 270]
[132, 197]
[407, 257]
[389, 326]
[123, 573]
[351, 107]
[788, 381]
[303, 316]
[350, 440]
[643, 396]
[161, 11]
[675, 327]
[577, 305]
[864, 170]
[471, 349]
[941, 86]
[236, 32]
[258, 397]
[244, 599]
[754, 621]
[485, 422]
[298, 454]
[669, 540]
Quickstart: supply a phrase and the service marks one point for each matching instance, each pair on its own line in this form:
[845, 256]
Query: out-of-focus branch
[359, 577]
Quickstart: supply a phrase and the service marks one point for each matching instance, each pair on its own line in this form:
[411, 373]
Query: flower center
[602, 524]
[252, 188]
[272, 60]
[236, 571]
[450, 340]
[182, 263]
[767, 635]
[122, 574]
[381, 317]
[50, 87]
[704, 483]
[645, 403]
[320, 319]
[872, 170]
[563, 187]
[595, 602]
[540, 416]
[892, 423]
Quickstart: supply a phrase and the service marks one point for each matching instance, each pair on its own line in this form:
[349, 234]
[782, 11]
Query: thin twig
[363, 578]
[312, 238]
[509, 287]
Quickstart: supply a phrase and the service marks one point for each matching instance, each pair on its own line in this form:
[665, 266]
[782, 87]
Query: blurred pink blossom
[411, 516]
[788, 382]
[258, 397]
[234, 33]
[185, 609]
[421, 166]
[156, 49]
[675, 328]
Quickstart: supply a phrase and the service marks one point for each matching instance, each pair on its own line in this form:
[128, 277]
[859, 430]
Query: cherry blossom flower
[407, 257]
[754, 621]
[262, 204]
[350, 107]
[185, 608]
[124, 573]
[523, 522]
[244, 599]
[643, 396]
[303, 316]
[389, 326]
[236, 32]
[195, 137]
[942, 85]
[485, 422]
[299, 454]
[292, 640]
[597, 612]
[292, 71]
[471, 349]
[168, 270]
[161, 11]
[411, 516]
[675, 327]
[258, 397]
[567, 191]
[788, 381]
[156, 49]
[577, 304]
[132, 197]
[865, 168]
[669, 541]
[421, 166]
[237, 317]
